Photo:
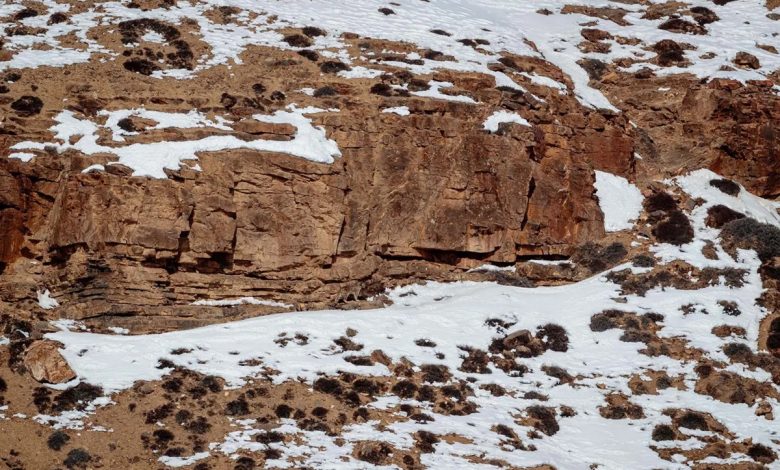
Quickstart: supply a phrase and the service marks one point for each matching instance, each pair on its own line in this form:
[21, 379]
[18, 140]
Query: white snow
[23, 156]
[500, 117]
[152, 159]
[241, 301]
[46, 301]
[619, 200]
[435, 92]
[399, 110]
[176, 462]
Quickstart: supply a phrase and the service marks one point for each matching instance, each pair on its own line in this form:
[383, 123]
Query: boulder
[46, 364]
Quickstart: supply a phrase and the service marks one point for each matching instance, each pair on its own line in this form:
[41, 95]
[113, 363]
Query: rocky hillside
[558, 219]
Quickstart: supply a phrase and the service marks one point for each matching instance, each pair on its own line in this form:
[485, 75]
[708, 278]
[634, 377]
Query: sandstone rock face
[45, 364]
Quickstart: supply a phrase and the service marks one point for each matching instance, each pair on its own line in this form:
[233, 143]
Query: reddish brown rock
[45, 363]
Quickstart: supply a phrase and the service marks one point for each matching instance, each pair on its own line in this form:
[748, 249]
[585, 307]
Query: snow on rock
[23, 156]
[435, 92]
[241, 301]
[399, 110]
[152, 159]
[500, 117]
[620, 201]
[46, 301]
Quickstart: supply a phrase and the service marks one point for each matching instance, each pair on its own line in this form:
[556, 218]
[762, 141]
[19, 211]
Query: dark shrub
[375, 453]
[77, 458]
[546, 419]
[333, 66]
[643, 261]
[750, 234]
[718, 216]
[199, 425]
[386, 11]
[58, 17]
[312, 31]
[57, 440]
[283, 411]
[25, 13]
[693, 420]
[237, 407]
[328, 385]
[325, 91]
[382, 89]
[425, 343]
[660, 201]
[425, 441]
[435, 373]
[675, 229]
[730, 308]
[597, 258]
[554, 337]
[297, 40]
[762, 453]
[727, 186]
[737, 351]
[162, 436]
[245, 463]
[142, 66]
[440, 32]
[159, 413]
[348, 344]
[77, 397]
[309, 54]
[605, 320]
[476, 362]
[404, 389]
[27, 105]
[663, 432]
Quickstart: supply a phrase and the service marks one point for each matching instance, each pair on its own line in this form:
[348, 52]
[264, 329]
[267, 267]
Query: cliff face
[419, 196]
[402, 177]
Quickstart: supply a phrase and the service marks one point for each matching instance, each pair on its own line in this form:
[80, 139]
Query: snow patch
[620, 201]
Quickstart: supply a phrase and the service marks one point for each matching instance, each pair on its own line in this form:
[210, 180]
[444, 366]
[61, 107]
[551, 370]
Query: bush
[597, 258]
[718, 216]
[237, 407]
[333, 66]
[435, 373]
[727, 186]
[328, 385]
[382, 89]
[750, 234]
[27, 105]
[660, 201]
[325, 91]
[675, 229]
[404, 389]
[643, 261]
[554, 337]
[297, 40]
[309, 54]
[77, 458]
[545, 417]
[663, 432]
[57, 440]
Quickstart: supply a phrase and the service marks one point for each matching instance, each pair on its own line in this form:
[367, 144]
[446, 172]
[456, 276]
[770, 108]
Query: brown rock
[746, 60]
[45, 363]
